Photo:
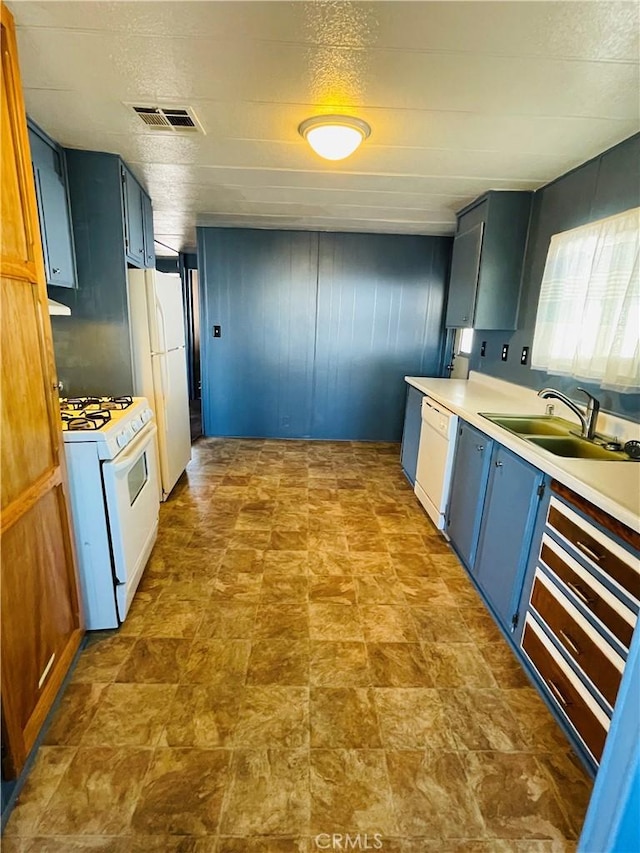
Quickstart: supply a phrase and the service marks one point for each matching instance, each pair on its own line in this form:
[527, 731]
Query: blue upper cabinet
[147, 226]
[52, 194]
[486, 265]
[138, 222]
[92, 347]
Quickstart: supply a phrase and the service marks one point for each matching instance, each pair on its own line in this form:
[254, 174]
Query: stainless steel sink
[576, 447]
[533, 424]
[555, 435]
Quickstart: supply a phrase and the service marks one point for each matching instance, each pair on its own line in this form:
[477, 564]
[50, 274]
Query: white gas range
[111, 453]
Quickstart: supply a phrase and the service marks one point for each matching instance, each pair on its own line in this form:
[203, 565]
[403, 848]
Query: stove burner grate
[86, 421]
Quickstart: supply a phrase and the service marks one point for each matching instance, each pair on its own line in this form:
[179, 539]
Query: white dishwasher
[435, 459]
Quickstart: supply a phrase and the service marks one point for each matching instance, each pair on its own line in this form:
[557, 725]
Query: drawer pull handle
[558, 693]
[582, 595]
[569, 642]
[586, 550]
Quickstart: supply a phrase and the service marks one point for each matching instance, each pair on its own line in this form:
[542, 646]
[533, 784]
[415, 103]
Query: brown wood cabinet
[582, 613]
[41, 619]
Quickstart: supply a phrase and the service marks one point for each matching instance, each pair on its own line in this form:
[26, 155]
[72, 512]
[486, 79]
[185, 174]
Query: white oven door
[131, 494]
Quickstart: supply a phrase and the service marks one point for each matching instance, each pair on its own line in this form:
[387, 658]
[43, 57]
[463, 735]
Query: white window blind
[588, 322]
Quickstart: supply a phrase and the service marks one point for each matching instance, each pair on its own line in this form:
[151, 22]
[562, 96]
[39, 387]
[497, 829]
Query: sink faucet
[588, 417]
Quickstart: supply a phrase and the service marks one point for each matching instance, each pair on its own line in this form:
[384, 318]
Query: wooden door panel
[17, 235]
[41, 622]
[14, 237]
[32, 548]
[25, 456]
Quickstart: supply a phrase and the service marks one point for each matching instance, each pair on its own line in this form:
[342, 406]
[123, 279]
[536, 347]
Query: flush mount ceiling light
[334, 137]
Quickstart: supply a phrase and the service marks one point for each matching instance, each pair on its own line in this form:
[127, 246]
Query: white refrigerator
[156, 319]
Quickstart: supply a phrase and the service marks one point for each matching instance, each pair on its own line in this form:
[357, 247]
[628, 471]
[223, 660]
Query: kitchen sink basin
[533, 425]
[576, 448]
[554, 434]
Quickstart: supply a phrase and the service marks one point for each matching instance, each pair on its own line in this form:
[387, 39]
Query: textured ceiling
[461, 97]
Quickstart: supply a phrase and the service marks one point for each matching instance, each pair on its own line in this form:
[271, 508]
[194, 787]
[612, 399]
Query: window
[465, 344]
[588, 322]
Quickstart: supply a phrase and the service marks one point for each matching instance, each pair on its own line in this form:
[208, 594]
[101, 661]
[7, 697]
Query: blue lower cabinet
[468, 487]
[513, 495]
[411, 433]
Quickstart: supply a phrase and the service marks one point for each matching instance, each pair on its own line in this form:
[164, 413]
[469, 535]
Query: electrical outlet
[483, 349]
[505, 352]
[524, 355]
[217, 332]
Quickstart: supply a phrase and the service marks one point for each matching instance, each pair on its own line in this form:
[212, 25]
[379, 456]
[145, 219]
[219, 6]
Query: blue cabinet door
[411, 433]
[465, 268]
[56, 228]
[511, 504]
[133, 219]
[468, 486]
[147, 224]
[52, 195]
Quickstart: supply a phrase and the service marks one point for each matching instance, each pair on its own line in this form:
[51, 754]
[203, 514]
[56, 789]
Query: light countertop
[612, 486]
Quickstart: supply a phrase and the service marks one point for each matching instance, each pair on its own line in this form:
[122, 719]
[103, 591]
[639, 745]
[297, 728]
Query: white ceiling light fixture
[334, 137]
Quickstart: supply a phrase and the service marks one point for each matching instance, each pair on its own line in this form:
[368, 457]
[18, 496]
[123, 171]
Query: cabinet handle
[55, 270]
[57, 386]
[480, 447]
[569, 642]
[582, 595]
[558, 693]
[499, 464]
[586, 550]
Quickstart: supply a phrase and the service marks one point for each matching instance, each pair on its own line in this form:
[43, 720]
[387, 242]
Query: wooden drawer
[568, 694]
[610, 558]
[588, 649]
[612, 613]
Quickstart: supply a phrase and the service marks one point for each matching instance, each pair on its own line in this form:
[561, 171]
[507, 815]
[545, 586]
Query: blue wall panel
[260, 288]
[380, 301]
[317, 330]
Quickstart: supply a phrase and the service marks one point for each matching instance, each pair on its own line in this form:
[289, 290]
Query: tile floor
[305, 657]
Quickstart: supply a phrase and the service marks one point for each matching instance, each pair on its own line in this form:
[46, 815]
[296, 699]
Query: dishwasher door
[435, 459]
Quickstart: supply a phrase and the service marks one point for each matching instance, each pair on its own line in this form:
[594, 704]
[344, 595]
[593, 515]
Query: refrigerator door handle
[163, 376]
[166, 384]
[161, 325]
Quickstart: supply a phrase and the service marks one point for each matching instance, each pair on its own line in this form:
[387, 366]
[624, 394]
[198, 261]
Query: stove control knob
[136, 423]
[146, 416]
[122, 439]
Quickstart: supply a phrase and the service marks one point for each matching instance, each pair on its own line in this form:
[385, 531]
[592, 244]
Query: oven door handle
[133, 451]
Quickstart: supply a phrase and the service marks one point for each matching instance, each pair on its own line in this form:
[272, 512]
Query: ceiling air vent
[176, 119]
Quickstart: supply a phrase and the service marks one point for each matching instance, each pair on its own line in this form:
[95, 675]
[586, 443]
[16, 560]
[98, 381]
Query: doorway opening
[191, 291]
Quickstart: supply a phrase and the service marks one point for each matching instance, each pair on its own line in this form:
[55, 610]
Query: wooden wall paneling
[380, 311]
[41, 619]
[317, 330]
[260, 288]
